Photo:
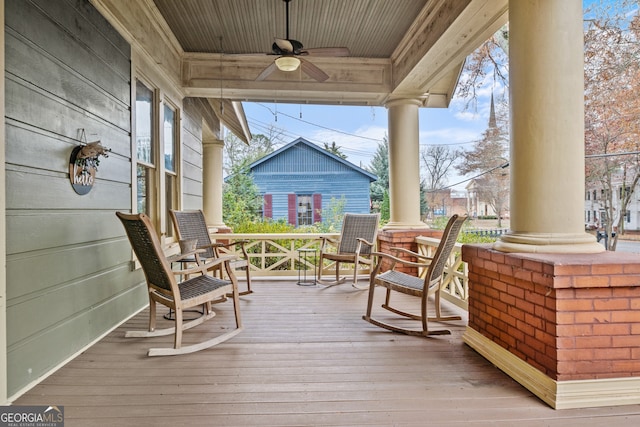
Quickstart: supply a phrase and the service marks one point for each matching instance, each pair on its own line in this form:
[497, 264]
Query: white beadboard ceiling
[398, 48]
[368, 28]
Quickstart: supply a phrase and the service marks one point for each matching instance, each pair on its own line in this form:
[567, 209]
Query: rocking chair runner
[192, 225]
[421, 287]
[357, 239]
[163, 288]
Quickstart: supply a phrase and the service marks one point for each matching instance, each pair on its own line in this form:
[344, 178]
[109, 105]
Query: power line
[502, 166]
[317, 125]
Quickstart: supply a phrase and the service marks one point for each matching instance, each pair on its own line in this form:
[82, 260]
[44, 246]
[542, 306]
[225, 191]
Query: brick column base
[566, 326]
[404, 239]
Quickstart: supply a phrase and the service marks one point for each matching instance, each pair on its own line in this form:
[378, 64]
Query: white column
[546, 78]
[404, 165]
[212, 180]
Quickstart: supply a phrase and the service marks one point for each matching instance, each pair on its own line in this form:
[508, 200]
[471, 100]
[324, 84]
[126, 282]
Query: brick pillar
[570, 317]
[404, 239]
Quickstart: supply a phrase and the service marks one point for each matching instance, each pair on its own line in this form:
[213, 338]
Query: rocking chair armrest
[228, 245]
[365, 241]
[396, 260]
[181, 256]
[408, 252]
[205, 267]
[325, 240]
[241, 243]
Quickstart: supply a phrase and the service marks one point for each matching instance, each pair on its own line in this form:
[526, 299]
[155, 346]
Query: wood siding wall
[304, 170]
[68, 262]
[192, 149]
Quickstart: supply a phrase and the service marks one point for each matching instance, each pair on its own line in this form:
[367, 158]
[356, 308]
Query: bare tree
[437, 161]
[612, 108]
[237, 153]
[489, 60]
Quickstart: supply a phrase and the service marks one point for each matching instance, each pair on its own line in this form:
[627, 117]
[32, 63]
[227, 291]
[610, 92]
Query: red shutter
[293, 209]
[268, 206]
[317, 208]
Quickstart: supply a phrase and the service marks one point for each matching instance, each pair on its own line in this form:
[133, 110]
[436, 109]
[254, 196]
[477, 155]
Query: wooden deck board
[305, 358]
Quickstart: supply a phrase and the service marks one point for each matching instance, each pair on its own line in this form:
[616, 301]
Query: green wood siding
[192, 154]
[69, 277]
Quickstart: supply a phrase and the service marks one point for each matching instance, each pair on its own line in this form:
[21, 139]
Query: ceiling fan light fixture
[287, 63]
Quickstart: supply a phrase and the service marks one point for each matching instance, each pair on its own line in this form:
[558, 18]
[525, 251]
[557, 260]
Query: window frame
[163, 186]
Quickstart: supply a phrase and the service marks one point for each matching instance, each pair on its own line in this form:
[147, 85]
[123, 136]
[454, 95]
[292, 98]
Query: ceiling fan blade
[327, 51]
[312, 71]
[285, 45]
[267, 72]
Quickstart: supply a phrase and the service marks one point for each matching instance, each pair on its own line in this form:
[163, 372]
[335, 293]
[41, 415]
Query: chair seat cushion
[397, 279]
[200, 285]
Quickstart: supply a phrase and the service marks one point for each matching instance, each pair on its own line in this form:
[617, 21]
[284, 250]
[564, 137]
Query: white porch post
[546, 80]
[212, 180]
[404, 165]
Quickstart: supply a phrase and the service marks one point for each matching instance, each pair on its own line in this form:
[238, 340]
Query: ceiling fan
[289, 52]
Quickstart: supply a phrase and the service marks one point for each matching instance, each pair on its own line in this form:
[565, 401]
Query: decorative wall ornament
[84, 162]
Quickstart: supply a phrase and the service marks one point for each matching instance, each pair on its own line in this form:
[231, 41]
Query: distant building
[447, 202]
[300, 179]
[594, 206]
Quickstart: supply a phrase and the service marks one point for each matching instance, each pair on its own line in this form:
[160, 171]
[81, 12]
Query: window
[170, 168]
[157, 131]
[624, 191]
[305, 209]
[627, 216]
[144, 149]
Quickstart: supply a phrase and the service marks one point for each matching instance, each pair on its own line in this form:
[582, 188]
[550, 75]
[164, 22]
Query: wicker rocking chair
[357, 240]
[192, 225]
[418, 286]
[200, 290]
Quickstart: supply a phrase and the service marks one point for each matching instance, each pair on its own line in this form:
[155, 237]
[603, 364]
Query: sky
[358, 130]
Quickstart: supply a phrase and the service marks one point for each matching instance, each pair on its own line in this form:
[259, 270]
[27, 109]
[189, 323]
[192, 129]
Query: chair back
[146, 246]
[354, 226]
[192, 225]
[448, 241]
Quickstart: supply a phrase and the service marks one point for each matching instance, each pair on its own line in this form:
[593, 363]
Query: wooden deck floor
[305, 358]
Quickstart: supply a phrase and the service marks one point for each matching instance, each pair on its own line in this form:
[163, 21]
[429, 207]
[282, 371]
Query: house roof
[302, 141]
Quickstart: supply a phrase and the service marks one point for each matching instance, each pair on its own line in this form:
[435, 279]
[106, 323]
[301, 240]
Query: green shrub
[265, 226]
[474, 238]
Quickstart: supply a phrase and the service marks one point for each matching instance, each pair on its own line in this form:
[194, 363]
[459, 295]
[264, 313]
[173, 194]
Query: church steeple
[492, 115]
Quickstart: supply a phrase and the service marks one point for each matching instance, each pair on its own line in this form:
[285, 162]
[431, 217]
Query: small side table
[304, 257]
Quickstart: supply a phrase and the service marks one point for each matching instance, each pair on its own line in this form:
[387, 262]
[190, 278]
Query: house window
[305, 209]
[157, 163]
[594, 194]
[169, 136]
[624, 191]
[144, 149]
[627, 216]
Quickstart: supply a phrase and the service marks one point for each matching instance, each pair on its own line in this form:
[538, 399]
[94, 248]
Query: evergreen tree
[334, 149]
[380, 167]
[241, 199]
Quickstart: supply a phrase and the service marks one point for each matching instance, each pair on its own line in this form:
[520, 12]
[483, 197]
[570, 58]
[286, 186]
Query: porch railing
[277, 255]
[456, 278]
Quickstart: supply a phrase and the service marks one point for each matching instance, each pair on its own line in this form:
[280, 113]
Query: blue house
[300, 179]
